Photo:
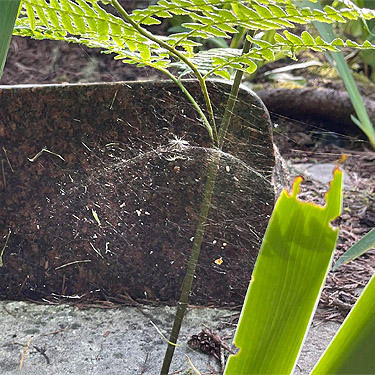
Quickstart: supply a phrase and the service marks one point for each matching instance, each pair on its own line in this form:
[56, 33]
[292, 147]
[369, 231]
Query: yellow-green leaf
[352, 349]
[288, 277]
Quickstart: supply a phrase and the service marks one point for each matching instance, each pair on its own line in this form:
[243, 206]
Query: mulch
[344, 285]
[39, 62]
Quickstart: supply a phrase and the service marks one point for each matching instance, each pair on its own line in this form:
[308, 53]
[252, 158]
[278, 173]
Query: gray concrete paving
[65, 340]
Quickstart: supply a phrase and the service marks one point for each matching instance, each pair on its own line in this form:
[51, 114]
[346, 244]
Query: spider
[209, 342]
[178, 143]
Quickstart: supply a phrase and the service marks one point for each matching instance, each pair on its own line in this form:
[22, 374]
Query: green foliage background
[88, 22]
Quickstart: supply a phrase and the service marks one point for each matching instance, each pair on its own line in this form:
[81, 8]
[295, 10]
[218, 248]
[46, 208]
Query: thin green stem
[203, 215]
[192, 100]
[178, 55]
[237, 38]
[232, 99]
[189, 277]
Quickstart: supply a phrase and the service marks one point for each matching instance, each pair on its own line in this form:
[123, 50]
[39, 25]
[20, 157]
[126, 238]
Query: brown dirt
[299, 144]
[299, 141]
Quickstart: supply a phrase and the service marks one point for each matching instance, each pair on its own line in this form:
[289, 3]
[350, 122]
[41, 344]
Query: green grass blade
[352, 349]
[287, 280]
[8, 15]
[364, 244]
[363, 122]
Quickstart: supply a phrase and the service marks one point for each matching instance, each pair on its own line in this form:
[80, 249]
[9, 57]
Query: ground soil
[299, 141]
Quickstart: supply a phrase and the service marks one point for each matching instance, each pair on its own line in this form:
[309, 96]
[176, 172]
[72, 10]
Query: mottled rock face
[102, 184]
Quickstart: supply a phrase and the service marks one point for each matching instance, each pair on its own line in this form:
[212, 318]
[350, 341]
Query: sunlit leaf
[352, 349]
[223, 74]
[87, 22]
[287, 280]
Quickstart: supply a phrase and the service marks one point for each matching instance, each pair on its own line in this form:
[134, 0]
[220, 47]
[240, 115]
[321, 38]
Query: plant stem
[180, 56]
[232, 99]
[204, 210]
[188, 280]
[192, 100]
[237, 38]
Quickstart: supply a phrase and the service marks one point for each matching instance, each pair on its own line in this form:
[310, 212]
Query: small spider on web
[178, 143]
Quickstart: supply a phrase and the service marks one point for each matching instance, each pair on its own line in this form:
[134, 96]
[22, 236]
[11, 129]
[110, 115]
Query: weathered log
[331, 106]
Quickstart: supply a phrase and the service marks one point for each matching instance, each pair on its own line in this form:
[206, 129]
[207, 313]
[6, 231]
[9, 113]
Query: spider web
[117, 216]
[112, 205]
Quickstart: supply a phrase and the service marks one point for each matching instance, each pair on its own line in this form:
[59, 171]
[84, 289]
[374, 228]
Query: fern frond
[87, 22]
[210, 19]
[221, 61]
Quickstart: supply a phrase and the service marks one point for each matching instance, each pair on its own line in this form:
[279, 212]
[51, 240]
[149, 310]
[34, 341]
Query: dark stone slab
[109, 207]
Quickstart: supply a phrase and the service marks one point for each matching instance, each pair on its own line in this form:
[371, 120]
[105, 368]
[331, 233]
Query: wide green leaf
[352, 349]
[8, 15]
[286, 283]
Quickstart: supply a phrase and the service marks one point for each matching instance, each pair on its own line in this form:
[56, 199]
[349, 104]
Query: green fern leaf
[277, 11]
[243, 11]
[87, 22]
[41, 15]
[31, 15]
[66, 17]
[338, 42]
[293, 11]
[222, 74]
[367, 45]
[268, 54]
[293, 39]
[307, 38]
[351, 43]
[144, 51]
[333, 14]
[263, 11]
[252, 67]
[78, 20]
